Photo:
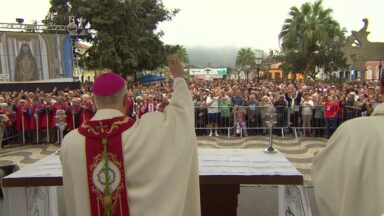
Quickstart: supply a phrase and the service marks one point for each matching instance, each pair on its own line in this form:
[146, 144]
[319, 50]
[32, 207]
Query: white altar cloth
[34, 189]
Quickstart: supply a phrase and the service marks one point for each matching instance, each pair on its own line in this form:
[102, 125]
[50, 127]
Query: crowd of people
[238, 105]
[310, 107]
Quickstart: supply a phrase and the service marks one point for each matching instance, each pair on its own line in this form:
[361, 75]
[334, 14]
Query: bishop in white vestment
[160, 159]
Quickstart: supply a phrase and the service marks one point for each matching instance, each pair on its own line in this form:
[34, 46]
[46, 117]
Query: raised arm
[181, 97]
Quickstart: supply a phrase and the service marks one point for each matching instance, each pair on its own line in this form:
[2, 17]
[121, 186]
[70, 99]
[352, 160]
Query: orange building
[277, 73]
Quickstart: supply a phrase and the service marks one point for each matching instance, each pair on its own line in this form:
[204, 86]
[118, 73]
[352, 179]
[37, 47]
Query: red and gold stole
[105, 165]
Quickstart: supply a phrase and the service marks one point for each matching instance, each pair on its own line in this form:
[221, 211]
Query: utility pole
[259, 62]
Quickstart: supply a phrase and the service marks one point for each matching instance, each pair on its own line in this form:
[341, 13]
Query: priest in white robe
[348, 174]
[159, 151]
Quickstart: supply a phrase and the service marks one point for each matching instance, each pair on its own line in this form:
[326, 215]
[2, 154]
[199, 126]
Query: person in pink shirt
[239, 117]
[150, 104]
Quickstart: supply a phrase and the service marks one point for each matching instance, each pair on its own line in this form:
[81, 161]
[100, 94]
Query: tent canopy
[150, 78]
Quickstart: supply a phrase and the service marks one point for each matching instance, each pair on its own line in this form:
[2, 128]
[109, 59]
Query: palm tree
[245, 58]
[306, 30]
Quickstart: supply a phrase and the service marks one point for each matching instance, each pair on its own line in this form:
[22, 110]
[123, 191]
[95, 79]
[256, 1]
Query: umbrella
[150, 78]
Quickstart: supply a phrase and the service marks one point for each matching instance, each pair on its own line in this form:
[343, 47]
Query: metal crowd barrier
[288, 119]
[351, 112]
[307, 120]
[314, 122]
[254, 122]
[10, 134]
[202, 121]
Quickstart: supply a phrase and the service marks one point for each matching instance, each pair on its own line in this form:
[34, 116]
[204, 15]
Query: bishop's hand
[175, 66]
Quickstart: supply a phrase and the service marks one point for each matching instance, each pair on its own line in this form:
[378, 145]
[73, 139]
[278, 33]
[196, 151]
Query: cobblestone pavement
[299, 151]
[22, 155]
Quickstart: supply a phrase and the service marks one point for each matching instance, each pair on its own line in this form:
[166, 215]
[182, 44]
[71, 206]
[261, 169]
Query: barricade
[307, 120]
[10, 134]
[206, 121]
[298, 120]
[351, 112]
[310, 121]
[258, 116]
[252, 122]
[288, 120]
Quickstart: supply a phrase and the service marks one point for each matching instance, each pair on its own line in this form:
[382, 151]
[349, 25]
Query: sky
[235, 23]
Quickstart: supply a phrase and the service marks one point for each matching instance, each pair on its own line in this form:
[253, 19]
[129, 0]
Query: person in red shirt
[70, 114]
[34, 114]
[87, 108]
[46, 118]
[139, 107]
[22, 123]
[5, 121]
[339, 101]
[162, 104]
[330, 111]
[129, 108]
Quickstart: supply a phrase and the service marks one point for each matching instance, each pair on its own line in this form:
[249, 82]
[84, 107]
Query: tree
[245, 59]
[305, 34]
[122, 32]
[291, 61]
[330, 56]
[178, 50]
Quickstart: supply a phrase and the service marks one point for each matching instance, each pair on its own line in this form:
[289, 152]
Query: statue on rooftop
[358, 49]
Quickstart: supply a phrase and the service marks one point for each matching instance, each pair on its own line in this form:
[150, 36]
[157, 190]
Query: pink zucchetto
[107, 84]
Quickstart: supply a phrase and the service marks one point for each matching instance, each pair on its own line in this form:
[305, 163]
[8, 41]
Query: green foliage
[179, 50]
[330, 56]
[310, 37]
[291, 60]
[245, 57]
[122, 32]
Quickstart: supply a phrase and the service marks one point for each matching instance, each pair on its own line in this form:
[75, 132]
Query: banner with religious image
[28, 57]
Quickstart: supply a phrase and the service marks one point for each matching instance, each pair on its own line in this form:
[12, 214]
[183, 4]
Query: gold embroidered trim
[90, 129]
[117, 124]
[104, 128]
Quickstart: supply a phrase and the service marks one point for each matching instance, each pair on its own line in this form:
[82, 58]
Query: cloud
[254, 22]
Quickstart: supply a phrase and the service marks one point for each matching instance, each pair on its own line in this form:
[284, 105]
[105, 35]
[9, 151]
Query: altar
[35, 188]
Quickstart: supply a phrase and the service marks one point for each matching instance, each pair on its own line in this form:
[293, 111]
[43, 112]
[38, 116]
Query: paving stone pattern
[298, 151]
